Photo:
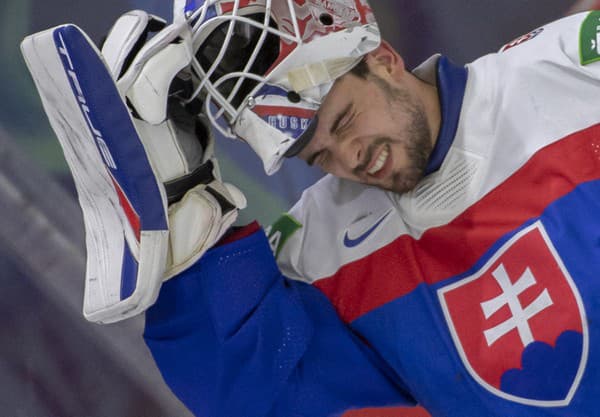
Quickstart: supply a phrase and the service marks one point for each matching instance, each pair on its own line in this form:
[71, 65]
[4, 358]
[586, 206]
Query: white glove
[199, 220]
[179, 145]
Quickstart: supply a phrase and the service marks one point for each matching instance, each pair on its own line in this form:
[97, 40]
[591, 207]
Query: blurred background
[52, 362]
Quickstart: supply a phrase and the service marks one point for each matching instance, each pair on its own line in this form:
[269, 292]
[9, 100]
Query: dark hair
[361, 69]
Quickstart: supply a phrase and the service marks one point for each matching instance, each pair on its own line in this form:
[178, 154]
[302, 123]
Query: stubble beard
[416, 138]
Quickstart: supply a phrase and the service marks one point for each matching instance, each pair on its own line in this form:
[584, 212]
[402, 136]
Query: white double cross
[510, 296]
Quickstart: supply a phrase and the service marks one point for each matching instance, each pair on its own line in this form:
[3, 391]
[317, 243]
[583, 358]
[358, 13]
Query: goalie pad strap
[226, 205]
[178, 187]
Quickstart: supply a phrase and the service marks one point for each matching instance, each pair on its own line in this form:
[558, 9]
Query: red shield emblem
[518, 323]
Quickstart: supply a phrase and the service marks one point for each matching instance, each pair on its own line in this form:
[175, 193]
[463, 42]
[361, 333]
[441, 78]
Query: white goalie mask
[263, 67]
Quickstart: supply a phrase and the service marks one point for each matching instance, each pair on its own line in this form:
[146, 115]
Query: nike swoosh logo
[354, 242]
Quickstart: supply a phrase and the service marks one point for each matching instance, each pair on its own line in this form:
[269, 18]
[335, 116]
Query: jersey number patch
[589, 39]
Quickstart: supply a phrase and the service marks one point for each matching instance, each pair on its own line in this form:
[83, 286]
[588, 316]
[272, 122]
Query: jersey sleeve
[579, 40]
[233, 337]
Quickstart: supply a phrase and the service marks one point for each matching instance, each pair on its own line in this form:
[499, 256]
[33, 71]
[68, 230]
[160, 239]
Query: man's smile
[377, 164]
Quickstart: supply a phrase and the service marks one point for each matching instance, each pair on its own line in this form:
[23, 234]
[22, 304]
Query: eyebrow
[334, 127]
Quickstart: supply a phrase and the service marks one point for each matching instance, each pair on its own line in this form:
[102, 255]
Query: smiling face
[377, 130]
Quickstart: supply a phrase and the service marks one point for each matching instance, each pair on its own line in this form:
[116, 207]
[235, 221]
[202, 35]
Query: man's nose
[349, 153]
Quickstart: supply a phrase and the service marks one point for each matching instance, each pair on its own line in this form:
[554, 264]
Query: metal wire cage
[244, 47]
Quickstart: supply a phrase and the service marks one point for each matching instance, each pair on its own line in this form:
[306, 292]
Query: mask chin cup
[267, 142]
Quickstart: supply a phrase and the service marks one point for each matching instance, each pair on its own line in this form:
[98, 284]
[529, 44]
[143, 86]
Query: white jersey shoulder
[535, 91]
[337, 221]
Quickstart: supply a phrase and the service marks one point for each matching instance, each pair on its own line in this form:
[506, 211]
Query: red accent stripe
[443, 252]
[132, 216]
[227, 7]
[264, 111]
[238, 233]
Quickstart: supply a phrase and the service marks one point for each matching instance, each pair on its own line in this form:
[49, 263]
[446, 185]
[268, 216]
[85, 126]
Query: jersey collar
[451, 81]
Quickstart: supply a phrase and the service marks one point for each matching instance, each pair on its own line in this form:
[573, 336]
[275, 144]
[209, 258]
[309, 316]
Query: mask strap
[312, 75]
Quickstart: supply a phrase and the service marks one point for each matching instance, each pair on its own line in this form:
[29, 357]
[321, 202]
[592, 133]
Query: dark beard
[418, 149]
[417, 144]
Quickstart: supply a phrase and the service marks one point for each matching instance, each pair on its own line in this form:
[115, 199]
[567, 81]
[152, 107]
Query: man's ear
[386, 58]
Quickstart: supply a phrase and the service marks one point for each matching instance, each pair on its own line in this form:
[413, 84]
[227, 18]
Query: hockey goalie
[135, 121]
[450, 260]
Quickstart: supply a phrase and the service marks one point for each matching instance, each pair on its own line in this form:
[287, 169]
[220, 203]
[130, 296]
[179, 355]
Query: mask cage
[233, 60]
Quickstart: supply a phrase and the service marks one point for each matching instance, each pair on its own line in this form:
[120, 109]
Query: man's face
[373, 131]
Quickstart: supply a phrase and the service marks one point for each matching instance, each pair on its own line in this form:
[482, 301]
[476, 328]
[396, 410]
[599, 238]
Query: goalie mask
[263, 67]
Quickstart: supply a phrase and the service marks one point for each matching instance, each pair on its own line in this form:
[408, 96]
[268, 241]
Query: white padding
[193, 222]
[150, 91]
[266, 141]
[197, 222]
[108, 231]
[122, 37]
[163, 149]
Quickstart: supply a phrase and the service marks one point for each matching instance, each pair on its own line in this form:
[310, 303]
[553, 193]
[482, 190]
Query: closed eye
[341, 121]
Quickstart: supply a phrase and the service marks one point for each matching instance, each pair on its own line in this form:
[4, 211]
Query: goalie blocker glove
[147, 180]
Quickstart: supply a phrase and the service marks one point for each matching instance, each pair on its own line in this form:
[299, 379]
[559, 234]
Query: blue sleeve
[233, 337]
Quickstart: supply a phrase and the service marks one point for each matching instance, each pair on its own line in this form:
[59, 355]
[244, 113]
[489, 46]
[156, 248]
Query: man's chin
[394, 187]
[397, 183]
[401, 184]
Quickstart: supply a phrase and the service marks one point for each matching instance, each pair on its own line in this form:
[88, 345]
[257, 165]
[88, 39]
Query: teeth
[383, 156]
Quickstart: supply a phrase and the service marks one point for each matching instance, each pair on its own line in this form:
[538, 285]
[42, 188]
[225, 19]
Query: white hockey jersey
[487, 273]
[477, 294]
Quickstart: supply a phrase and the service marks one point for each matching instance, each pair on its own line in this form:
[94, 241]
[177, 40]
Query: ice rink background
[52, 362]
